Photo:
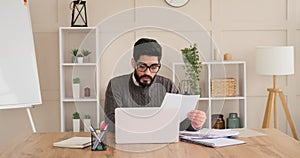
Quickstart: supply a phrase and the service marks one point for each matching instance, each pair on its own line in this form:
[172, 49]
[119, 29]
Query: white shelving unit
[219, 105]
[79, 38]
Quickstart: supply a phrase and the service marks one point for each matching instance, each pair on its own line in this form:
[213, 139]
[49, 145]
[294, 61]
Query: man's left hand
[197, 118]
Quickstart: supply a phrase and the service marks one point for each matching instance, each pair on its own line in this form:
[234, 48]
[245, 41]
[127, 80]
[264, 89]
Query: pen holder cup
[96, 144]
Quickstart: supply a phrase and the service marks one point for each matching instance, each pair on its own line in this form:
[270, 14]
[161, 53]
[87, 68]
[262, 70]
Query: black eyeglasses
[142, 67]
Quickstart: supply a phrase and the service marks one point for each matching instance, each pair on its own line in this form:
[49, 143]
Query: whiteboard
[19, 82]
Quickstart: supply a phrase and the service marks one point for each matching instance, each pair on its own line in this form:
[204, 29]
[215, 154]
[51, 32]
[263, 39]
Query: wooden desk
[274, 144]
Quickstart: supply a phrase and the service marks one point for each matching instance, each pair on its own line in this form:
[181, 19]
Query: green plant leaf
[76, 80]
[75, 52]
[192, 66]
[76, 115]
[86, 52]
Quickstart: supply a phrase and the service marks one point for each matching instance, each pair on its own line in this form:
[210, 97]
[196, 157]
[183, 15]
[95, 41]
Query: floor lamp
[275, 61]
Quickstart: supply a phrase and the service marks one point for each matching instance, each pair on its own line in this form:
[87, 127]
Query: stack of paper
[74, 142]
[217, 142]
[210, 133]
[211, 137]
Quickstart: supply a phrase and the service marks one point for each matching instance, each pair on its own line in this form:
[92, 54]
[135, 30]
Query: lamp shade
[275, 60]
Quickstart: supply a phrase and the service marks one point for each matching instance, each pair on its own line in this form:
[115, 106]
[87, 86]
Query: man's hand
[197, 118]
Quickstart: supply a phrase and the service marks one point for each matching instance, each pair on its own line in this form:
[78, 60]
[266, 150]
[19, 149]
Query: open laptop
[149, 124]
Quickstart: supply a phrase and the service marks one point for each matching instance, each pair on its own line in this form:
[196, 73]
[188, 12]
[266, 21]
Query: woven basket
[223, 87]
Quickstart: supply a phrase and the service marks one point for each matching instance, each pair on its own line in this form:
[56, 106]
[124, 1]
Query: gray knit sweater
[122, 92]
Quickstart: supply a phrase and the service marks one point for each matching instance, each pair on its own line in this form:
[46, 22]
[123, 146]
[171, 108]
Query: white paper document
[188, 103]
[218, 142]
[211, 137]
[185, 103]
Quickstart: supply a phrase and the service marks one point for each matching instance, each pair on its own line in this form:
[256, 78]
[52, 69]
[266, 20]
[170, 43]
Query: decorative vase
[86, 124]
[86, 59]
[79, 60]
[185, 87]
[76, 125]
[233, 121]
[74, 59]
[76, 90]
[217, 121]
[87, 92]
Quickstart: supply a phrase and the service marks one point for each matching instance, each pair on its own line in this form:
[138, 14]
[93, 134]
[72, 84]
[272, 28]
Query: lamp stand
[271, 104]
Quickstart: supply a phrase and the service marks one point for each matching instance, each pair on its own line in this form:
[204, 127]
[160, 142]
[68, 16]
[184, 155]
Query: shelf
[77, 28]
[223, 98]
[223, 62]
[215, 62]
[79, 38]
[203, 98]
[227, 98]
[76, 64]
[80, 100]
[224, 105]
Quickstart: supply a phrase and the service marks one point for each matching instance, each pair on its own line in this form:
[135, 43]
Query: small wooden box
[225, 87]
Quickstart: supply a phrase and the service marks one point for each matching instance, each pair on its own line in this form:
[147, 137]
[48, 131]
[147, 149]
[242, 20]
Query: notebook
[217, 142]
[74, 142]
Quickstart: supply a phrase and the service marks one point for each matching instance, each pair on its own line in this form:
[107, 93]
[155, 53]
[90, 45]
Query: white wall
[237, 26]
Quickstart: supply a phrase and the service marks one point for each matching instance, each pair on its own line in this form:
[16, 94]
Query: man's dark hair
[146, 46]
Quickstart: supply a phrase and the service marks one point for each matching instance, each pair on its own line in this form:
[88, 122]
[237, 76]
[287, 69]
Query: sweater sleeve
[109, 107]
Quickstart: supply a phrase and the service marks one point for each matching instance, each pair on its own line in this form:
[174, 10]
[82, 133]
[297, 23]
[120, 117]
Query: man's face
[146, 68]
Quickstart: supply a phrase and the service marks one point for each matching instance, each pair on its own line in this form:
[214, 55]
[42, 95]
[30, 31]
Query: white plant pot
[80, 60]
[76, 125]
[87, 124]
[76, 90]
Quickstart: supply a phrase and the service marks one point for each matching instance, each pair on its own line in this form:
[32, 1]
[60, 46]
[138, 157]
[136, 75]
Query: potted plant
[87, 123]
[192, 67]
[76, 87]
[76, 122]
[86, 53]
[80, 58]
[74, 57]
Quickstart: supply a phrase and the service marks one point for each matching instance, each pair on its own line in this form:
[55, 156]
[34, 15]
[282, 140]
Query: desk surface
[273, 144]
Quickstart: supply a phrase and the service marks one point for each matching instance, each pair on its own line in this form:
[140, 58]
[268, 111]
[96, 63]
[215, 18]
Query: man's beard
[139, 78]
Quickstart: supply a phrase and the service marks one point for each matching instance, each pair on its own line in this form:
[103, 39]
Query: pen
[103, 125]
[95, 145]
[94, 133]
[103, 132]
[102, 122]
[103, 129]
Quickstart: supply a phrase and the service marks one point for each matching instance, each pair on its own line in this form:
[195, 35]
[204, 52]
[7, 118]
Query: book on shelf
[74, 142]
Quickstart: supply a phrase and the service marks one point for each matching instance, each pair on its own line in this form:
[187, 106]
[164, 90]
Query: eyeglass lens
[142, 67]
